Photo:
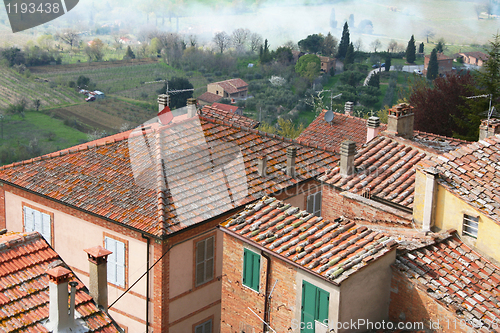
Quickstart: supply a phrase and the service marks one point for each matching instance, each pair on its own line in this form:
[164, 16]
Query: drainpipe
[267, 315]
[147, 282]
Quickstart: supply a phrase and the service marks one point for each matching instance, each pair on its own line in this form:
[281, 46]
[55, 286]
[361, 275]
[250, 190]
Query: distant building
[233, 88]
[208, 98]
[228, 108]
[327, 63]
[473, 58]
[445, 63]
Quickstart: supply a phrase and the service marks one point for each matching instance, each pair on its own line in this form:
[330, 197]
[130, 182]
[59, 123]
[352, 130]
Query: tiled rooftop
[334, 250]
[24, 287]
[215, 112]
[442, 144]
[384, 166]
[457, 277]
[473, 173]
[201, 157]
[329, 136]
[225, 107]
[233, 85]
[209, 97]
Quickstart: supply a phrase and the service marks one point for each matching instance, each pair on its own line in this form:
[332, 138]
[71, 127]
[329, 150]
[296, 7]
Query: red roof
[232, 86]
[334, 250]
[24, 287]
[472, 173]
[209, 97]
[198, 154]
[216, 113]
[458, 278]
[329, 136]
[225, 107]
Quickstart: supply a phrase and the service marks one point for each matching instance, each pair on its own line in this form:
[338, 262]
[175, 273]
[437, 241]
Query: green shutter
[323, 298]
[251, 269]
[308, 307]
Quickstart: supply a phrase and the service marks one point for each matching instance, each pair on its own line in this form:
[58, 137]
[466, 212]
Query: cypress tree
[349, 56]
[388, 62]
[421, 48]
[344, 42]
[433, 67]
[410, 50]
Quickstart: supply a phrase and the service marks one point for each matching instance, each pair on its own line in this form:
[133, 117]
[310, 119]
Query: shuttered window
[116, 261]
[314, 306]
[206, 327]
[314, 203]
[471, 225]
[251, 269]
[204, 260]
[37, 221]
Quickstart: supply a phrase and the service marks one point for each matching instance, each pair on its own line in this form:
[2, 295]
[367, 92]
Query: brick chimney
[372, 128]
[191, 106]
[348, 108]
[400, 120]
[347, 152]
[291, 154]
[262, 166]
[489, 128]
[59, 316]
[429, 198]
[98, 275]
[163, 100]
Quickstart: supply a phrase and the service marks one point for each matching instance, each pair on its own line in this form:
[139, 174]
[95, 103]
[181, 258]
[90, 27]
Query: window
[251, 269]
[35, 220]
[206, 327]
[314, 306]
[116, 261]
[314, 203]
[204, 260]
[471, 225]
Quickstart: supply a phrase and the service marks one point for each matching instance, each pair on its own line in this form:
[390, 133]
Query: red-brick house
[297, 272]
[474, 58]
[154, 197]
[32, 276]
[446, 286]
[445, 63]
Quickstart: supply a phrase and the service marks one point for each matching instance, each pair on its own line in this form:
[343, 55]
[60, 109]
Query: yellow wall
[448, 214]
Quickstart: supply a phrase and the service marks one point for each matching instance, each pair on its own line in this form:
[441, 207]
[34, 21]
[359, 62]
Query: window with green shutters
[251, 269]
[314, 306]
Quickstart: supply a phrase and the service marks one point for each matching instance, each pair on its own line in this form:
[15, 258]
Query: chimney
[163, 100]
[489, 128]
[191, 106]
[291, 154]
[372, 128]
[400, 120]
[429, 199]
[98, 275]
[59, 319]
[347, 152]
[348, 108]
[262, 166]
[72, 296]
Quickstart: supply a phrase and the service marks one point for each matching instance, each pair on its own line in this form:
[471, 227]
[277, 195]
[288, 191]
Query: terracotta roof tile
[225, 107]
[329, 136]
[334, 250]
[441, 143]
[453, 279]
[209, 97]
[24, 287]
[201, 156]
[232, 86]
[216, 112]
[475, 182]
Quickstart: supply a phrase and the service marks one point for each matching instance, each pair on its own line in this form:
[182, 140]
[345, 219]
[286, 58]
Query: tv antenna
[490, 108]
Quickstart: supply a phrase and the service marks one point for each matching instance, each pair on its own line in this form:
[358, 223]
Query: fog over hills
[458, 22]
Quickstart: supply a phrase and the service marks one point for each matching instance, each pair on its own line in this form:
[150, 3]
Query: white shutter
[110, 244]
[38, 221]
[120, 263]
[46, 227]
[29, 223]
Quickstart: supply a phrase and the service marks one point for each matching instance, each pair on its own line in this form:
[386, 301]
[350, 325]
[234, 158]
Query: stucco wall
[365, 295]
[448, 214]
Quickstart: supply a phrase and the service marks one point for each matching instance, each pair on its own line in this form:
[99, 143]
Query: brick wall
[335, 204]
[236, 298]
[410, 304]
[3, 224]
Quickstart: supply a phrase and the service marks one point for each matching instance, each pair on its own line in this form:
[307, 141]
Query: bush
[258, 76]
[249, 77]
[235, 74]
[52, 84]
[72, 84]
[217, 73]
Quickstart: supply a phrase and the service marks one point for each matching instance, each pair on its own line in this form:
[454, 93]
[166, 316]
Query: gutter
[148, 240]
[267, 314]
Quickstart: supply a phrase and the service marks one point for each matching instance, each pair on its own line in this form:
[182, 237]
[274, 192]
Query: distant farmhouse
[445, 63]
[473, 58]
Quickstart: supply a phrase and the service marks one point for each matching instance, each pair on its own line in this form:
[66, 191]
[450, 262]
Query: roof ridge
[442, 136]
